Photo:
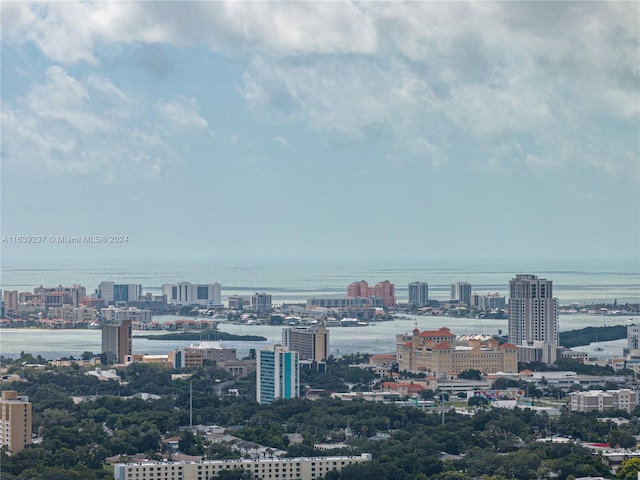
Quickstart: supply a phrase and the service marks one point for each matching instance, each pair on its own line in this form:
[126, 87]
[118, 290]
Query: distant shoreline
[204, 335]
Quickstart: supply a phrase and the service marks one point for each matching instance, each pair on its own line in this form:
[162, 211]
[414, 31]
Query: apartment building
[278, 374]
[312, 343]
[15, 415]
[437, 353]
[307, 468]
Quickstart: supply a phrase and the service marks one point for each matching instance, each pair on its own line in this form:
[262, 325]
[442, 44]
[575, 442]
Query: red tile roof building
[437, 353]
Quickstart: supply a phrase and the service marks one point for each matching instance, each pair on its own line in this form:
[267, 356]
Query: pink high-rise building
[359, 289]
[384, 290]
[387, 292]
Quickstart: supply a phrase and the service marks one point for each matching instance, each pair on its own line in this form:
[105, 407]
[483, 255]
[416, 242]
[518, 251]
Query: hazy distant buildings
[113, 293]
[533, 318]
[633, 337]
[490, 301]
[461, 291]
[278, 374]
[418, 294]
[236, 302]
[384, 290]
[113, 314]
[312, 343]
[117, 341]
[69, 313]
[15, 418]
[10, 298]
[58, 296]
[186, 293]
[261, 302]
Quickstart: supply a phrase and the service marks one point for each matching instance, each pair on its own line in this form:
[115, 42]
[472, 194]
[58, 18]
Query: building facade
[113, 314]
[461, 291]
[533, 318]
[112, 292]
[15, 433]
[633, 337]
[312, 343]
[117, 341]
[186, 293]
[418, 294]
[261, 302]
[278, 374]
[10, 301]
[387, 291]
[436, 353]
[383, 290]
[602, 401]
[306, 468]
[490, 301]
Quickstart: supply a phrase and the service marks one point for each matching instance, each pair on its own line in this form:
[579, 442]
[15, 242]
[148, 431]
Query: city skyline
[196, 130]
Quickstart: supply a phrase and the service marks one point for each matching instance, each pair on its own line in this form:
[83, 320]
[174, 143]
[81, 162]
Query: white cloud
[183, 112]
[492, 73]
[282, 141]
[90, 126]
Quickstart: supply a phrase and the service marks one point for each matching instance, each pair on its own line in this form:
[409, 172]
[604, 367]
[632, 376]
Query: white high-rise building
[186, 293]
[112, 292]
[419, 294]
[461, 291]
[261, 302]
[533, 318]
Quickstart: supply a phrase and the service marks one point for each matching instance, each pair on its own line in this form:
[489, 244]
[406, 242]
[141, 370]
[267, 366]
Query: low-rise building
[113, 314]
[282, 468]
[602, 401]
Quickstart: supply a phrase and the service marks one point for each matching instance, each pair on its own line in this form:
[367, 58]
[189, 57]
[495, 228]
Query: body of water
[375, 338]
[295, 280]
[574, 281]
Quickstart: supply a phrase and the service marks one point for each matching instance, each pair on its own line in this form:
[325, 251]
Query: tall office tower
[312, 343]
[15, 414]
[116, 341]
[418, 294]
[461, 291]
[261, 302]
[278, 374]
[387, 292]
[533, 317]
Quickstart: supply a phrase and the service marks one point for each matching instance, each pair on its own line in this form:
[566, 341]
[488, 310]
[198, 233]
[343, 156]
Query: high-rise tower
[15, 421]
[419, 294]
[533, 316]
[278, 374]
[461, 291]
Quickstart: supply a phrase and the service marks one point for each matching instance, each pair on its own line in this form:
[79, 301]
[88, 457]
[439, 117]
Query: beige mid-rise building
[15, 432]
[312, 343]
[437, 353]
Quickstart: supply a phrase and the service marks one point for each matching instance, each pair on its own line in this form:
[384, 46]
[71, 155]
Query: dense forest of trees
[490, 444]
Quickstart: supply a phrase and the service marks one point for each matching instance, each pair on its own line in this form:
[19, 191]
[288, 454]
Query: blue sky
[322, 129]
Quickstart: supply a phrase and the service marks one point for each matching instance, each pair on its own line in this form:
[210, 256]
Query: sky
[320, 129]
